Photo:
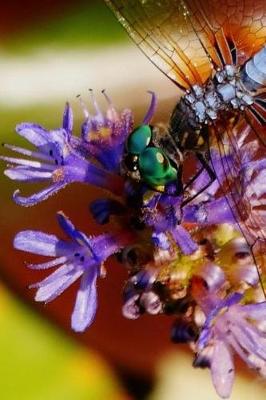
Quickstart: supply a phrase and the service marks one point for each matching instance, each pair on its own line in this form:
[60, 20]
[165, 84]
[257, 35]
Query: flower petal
[34, 133]
[184, 240]
[86, 301]
[57, 283]
[37, 243]
[48, 264]
[68, 119]
[151, 109]
[222, 369]
[255, 311]
[26, 152]
[37, 197]
[24, 174]
[102, 209]
[69, 228]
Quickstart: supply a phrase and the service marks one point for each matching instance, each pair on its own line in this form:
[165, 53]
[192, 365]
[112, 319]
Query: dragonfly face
[148, 162]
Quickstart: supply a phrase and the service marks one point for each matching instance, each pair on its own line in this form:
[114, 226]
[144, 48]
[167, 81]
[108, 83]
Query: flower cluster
[200, 260]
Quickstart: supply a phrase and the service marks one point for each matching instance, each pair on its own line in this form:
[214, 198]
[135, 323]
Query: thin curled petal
[151, 111]
[37, 197]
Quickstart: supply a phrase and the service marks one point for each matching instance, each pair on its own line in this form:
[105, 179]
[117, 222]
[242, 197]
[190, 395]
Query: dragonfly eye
[155, 167]
[139, 139]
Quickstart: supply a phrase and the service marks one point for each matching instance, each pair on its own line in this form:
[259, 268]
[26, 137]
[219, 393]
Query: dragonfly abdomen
[253, 73]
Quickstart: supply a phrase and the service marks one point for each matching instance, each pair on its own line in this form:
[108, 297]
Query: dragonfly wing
[241, 174]
[185, 39]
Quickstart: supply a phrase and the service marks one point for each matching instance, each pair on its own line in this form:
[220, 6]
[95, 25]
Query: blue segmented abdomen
[253, 73]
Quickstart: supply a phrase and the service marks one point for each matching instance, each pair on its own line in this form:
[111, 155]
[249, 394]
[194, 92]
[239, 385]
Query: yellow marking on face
[160, 158]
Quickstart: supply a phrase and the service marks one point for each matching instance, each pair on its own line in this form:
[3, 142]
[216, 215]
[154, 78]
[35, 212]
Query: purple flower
[230, 327]
[79, 257]
[58, 161]
[162, 214]
[104, 136]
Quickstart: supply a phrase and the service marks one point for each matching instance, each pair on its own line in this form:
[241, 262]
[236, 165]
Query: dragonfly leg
[204, 167]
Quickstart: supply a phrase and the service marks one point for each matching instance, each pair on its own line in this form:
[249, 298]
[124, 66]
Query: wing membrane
[186, 38]
[241, 180]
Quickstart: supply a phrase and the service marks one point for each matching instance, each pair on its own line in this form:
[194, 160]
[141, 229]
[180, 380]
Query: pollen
[58, 175]
[103, 133]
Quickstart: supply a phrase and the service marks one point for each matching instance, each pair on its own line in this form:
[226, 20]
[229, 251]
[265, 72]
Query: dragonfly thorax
[203, 105]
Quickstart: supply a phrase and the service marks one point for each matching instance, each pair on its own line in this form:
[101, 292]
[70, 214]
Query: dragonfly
[214, 52]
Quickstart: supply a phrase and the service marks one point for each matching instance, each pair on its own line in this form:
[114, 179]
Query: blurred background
[50, 52]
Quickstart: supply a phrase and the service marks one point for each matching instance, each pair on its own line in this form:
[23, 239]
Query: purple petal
[151, 109]
[67, 226]
[222, 369]
[57, 283]
[212, 212]
[103, 246]
[58, 138]
[26, 152]
[25, 174]
[68, 119]
[29, 163]
[48, 264]
[230, 300]
[37, 197]
[63, 270]
[102, 209]
[255, 311]
[250, 339]
[184, 240]
[86, 302]
[34, 133]
[37, 243]
[161, 240]
[213, 276]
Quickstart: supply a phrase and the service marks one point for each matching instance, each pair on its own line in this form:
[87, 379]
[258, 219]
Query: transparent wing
[186, 38]
[256, 117]
[242, 176]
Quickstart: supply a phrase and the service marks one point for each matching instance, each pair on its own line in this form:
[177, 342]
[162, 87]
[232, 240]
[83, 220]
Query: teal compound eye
[155, 167]
[139, 139]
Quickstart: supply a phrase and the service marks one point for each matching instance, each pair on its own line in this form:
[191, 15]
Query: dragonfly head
[151, 164]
